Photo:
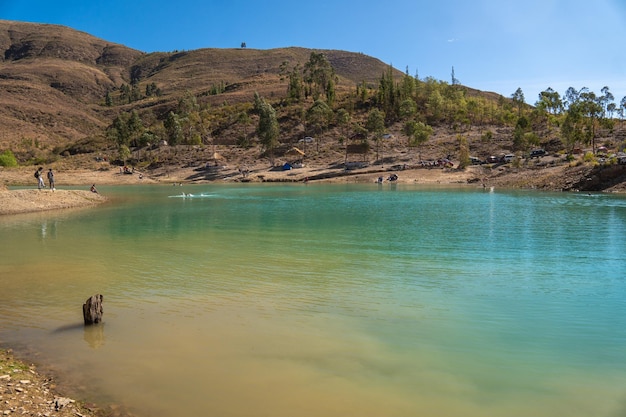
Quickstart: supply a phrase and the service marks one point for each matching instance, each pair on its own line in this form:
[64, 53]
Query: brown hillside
[54, 80]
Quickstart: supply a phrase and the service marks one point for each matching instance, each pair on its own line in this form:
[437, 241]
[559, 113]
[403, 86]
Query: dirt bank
[27, 201]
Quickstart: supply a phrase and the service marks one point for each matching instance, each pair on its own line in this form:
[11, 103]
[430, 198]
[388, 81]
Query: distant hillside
[54, 80]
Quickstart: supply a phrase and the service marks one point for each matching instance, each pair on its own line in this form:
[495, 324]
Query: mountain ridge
[55, 79]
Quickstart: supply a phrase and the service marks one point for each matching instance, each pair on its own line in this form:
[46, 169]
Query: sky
[493, 45]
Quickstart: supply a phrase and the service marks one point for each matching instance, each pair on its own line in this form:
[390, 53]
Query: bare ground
[23, 391]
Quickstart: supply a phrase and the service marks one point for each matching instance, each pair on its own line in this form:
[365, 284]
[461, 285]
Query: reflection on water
[94, 335]
[327, 300]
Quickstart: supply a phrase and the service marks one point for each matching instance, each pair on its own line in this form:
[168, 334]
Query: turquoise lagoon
[326, 300]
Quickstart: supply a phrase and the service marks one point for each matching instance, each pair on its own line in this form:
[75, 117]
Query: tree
[550, 100]
[342, 118]
[571, 129]
[119, 131]
[407, 87]
[417, 132]
[319, 116]
[521, 128]
[295, 89]
[135, 128]
[173, 128]
[187, 104]
[455, 81]
[591, 109]
[268, 128]
[319, 75]
[376, 125]
[152, 90]
[244, 120]
[518, 99]
[123, 153]
[571, 97]
[408, 108]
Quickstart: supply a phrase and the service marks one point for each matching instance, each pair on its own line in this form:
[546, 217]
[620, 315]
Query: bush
[7, 159]
[589, 157]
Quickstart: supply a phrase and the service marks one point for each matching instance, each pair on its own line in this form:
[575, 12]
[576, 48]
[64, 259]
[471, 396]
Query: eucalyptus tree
[571, 96]
[268, 128]
[135, 129]
[607, 103]
[550, 100]
[518, 99]
[572, 127]
[375, 124]
[173, 128]
[319, 75]
[605, 100]
[295, 86]
[592, 110]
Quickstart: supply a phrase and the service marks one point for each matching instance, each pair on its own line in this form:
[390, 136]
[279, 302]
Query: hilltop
[69, 97]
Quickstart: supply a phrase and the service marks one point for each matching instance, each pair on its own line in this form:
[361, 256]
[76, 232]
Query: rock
[61, 402]
[92, 309]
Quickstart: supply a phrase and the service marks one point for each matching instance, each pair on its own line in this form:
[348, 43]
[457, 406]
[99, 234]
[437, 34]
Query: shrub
[7, 159]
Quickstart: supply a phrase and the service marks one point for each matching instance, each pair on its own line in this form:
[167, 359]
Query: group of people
[40, 182]
[42, 185]
[391, 178]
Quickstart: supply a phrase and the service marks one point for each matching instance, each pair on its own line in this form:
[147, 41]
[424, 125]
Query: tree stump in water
[92, 309]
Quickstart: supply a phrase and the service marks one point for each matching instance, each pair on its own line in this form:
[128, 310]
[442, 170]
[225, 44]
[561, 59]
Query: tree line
[364, 114]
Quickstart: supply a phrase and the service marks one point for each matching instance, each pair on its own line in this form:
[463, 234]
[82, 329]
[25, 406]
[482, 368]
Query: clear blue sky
[493, 45]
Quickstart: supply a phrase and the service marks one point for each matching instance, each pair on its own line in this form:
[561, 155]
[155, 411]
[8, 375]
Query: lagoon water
[326, 300]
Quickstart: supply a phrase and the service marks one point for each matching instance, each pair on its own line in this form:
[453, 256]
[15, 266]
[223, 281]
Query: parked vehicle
[307, 139]
[475, 161]
[537, 153]
[492, 159]
[508, 158]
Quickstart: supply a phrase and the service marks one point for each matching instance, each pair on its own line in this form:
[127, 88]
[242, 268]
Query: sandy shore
[75, 184]
[27, 201]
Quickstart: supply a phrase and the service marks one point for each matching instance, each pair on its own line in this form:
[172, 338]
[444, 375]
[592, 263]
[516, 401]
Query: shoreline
[25, 391]
[34, 200]
[75, 183]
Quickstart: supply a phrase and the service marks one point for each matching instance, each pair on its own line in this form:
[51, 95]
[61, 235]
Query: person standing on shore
[51, 179]
[39, 176]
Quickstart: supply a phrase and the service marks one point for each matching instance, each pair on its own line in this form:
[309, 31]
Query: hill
[54, 79]
[63, 90]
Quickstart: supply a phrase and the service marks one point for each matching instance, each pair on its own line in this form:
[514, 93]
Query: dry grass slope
[54, 79]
